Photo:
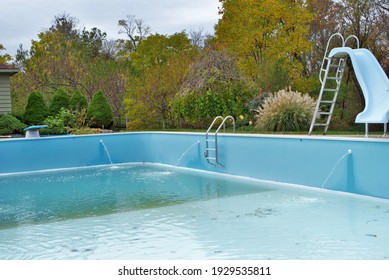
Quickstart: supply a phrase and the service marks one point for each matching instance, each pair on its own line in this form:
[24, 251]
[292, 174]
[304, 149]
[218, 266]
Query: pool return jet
[371, 78]
[211, 147]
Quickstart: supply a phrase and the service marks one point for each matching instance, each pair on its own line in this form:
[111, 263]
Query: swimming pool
[183, 208]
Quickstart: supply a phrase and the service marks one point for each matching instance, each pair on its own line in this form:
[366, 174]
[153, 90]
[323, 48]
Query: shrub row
[68, 112]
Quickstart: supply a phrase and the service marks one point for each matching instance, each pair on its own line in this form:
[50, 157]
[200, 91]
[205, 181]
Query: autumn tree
[56, 58]
[268, 37]
[326, 21]
[369, 21]
[161, 63]
[65, 56]
[4, 58]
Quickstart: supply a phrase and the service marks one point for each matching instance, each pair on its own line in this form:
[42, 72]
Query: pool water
[67, 194]
[147, 211]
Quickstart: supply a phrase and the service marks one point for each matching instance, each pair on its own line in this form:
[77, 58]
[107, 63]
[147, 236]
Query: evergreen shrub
[36, 109]
[99, 111]
[59, 100]
[78, 101]
[10, 125]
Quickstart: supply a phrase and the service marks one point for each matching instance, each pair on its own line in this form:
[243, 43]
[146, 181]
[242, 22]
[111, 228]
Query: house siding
[5, 93]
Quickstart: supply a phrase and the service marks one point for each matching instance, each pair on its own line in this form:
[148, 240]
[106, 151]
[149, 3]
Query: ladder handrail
[352, 37]
[207, 148]
[223, 123]
[325, 57]
[214, 120]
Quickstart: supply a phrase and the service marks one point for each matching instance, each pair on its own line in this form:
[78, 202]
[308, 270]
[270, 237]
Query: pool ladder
[332, 68]
[211, 148]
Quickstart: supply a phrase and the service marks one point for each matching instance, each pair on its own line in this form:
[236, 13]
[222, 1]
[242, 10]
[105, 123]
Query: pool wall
[303, 160]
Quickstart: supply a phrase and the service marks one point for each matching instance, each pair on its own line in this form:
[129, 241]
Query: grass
[252, 130]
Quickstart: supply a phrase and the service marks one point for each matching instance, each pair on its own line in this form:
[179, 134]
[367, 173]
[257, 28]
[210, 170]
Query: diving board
[33, 131]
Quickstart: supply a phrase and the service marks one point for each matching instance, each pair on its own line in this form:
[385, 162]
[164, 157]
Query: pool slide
[373, 82]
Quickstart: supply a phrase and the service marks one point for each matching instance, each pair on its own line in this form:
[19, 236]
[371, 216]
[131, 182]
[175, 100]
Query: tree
[161, 63]
[59, 100]
[326, 21]
[265, 35]
[199, 38]
[57, 58]
[4, 58]
[93, 41]
[36, 109]
[66, 25]
[109, 49]
[99, 111]
[64, 56]
[21, 56]
[135, 29]
[157, 49]
[369, 21]
[109, 76]
[383, 4]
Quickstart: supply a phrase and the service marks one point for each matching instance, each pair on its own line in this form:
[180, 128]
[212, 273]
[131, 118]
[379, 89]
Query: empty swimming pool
[61, 198]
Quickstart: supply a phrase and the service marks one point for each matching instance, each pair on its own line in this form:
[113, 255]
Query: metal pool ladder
[332, 68]
[211, 149]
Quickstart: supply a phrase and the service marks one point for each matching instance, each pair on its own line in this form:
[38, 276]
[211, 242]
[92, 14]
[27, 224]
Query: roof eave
[10, 71]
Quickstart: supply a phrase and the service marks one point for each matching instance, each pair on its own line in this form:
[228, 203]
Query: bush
[199, 110]
[99, 111]
[286, 110]
[59, 100]
[36, 109]
[10, 125]
[60, 123]
[213, 86]
[78, 101]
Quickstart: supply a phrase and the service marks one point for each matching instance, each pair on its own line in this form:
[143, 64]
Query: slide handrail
[325, 57]
[351, 37]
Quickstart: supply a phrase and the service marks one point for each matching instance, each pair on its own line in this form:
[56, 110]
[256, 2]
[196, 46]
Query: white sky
[22, 20]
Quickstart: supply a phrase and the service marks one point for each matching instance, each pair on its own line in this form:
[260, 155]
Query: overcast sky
[22, 20]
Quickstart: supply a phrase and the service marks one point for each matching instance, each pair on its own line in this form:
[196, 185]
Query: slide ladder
[331, 74]
[211, 148]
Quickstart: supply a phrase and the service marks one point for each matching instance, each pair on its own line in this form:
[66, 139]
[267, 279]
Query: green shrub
[199, 110]
[36, 109]
[285, 110]
[99, 111]
[59, 100]
[78, 101]
[213, 86]
[10, 125]
[60, 123]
